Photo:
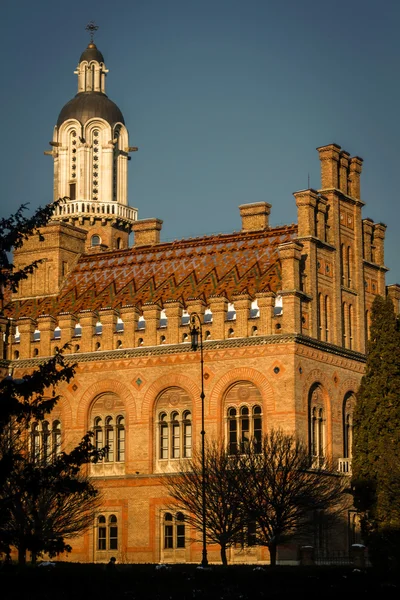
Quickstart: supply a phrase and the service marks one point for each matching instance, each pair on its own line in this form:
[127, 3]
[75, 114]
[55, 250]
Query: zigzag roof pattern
[225, 264]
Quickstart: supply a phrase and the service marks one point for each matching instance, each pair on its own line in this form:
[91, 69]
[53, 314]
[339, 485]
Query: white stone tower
[91, 153]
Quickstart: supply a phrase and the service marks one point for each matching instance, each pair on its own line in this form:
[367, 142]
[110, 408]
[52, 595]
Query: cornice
[183, 348]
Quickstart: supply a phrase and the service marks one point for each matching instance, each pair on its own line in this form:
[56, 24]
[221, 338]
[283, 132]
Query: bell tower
[90, 148]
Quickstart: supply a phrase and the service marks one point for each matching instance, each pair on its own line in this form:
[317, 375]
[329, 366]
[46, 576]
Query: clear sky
[226, 100]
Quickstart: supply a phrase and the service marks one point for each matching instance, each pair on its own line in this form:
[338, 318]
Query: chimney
[255, 217]
[147, 231]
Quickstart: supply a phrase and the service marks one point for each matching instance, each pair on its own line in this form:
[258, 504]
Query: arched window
[243, 405]
[120, 439]
[244, 428]
[257, 428]
[232, 431]
[317, 428]
[163, 436]
[109, 428]
[109, 439]
[349, 266]
[175, 429]
[95, 241]
[101, 533]
[98, 433]
[56, 442]
[45, 441]
[350, 326]
[174, 435]
[174, 531]
[320, 316]
[344, 331]
[107, 533]
[168, 531]
[327, 317]
[113, 532]
[187, 434]
[348, 411]
[46, 445]
[35, 443]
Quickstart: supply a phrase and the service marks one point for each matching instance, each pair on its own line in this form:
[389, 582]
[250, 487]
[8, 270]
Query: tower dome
[91, 152]
[91, 100]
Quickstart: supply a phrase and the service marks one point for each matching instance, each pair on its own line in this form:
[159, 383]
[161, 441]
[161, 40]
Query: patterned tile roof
[224, 264]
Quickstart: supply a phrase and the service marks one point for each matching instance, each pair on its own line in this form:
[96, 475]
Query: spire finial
[91, 27]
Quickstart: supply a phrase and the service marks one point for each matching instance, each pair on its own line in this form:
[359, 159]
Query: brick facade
[285, 315]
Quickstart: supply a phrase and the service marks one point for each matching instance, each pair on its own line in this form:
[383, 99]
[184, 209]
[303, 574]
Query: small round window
[95, 240]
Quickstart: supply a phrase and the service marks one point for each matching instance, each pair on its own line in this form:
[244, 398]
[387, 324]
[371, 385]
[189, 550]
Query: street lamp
[196, 335]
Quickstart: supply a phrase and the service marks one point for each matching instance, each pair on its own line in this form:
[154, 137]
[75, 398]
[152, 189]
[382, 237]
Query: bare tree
[225, 510]
[43, 505]
[281, 490]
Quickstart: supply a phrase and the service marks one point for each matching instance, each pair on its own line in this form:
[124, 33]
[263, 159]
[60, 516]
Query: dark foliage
[376, 448]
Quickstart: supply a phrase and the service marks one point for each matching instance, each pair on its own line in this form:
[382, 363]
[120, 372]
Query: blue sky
[226, 100]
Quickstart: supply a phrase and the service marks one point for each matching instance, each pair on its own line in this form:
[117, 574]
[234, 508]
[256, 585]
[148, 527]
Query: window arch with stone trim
[317, 425]
[107, 419]
[243, 413]
[173, 428]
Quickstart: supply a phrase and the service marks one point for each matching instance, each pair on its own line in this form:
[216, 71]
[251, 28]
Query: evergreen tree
[376, 447]
[41, 503]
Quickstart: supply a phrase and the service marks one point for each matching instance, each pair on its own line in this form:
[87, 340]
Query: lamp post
[196, 335]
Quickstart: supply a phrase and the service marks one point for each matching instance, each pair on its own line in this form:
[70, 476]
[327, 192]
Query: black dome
[87, 105]
[92, 53]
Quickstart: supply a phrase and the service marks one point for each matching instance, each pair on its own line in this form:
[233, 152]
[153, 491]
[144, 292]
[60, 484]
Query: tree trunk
[223, 555]
[272, 547]
[33, 558]
[22, 555]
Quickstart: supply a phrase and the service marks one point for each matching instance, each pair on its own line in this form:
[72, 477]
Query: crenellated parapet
[153, 325]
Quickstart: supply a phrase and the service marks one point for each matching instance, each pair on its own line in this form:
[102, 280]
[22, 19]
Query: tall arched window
[344, 331]
[327, 317]
[243, 405]
[348, 411]
[349, 266]
[35, 443]
[46, 445]
[175, 435]
[187, 434]
[45, 441]
[107, 532]
[317, 427]
[109, 439]
[244, 427]
[174, 530]
[319, 316]
[173, 421]
[120, 439]
[101, 533]
[350, 336]
[109, 429]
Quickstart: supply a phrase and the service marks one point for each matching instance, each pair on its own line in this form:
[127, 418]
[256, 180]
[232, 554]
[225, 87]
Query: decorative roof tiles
[226, 264]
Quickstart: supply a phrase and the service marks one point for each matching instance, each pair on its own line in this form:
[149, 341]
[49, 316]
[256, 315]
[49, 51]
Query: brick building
[285, 314]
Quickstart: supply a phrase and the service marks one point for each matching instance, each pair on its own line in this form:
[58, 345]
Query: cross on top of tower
[91, 27]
